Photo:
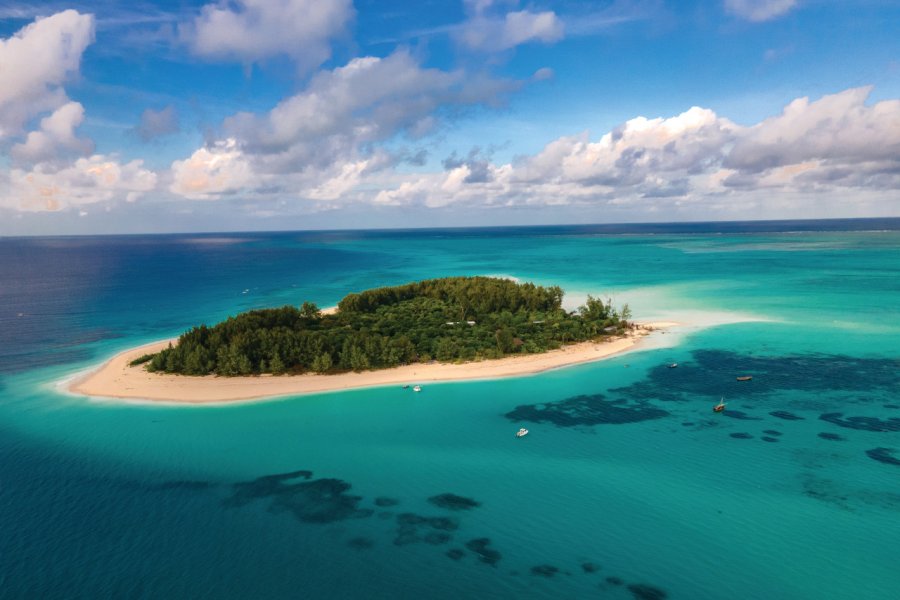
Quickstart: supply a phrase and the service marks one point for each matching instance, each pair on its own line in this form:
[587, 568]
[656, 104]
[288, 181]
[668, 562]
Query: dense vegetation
[451, 319]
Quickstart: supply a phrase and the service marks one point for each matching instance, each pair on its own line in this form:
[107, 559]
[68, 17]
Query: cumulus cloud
[477, 166]
[86, 181]
[331, 131]
[249, 31]
[34, 64]
[56, 134]
[211, 172]
[837, 127]
[822, 149]
[632, 152]
[157, 123]
[759, 10]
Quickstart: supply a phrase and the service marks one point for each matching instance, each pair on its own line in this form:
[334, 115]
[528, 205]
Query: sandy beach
[117, 379]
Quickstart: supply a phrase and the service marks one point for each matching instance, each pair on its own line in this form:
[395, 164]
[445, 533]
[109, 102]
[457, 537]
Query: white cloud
[34, 64]
[56, 133]
[759, 10]
[211, 172]
[838, 127]
[318, 143]
[498, 33]
[86, 181]
[249, 31]
[833, 149]
[631, 153]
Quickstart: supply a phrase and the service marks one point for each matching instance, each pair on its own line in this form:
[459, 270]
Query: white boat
[417, 388]
[522, 432]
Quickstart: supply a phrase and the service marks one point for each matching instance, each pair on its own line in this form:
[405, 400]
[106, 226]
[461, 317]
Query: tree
[308, 310]
[322, 363]
[388, 326]
[504, 339]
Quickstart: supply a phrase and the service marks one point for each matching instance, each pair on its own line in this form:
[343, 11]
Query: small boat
[673, 366]
[522, 432]
[405, 387]
[720, 406]
[745, 378]
[417, 388]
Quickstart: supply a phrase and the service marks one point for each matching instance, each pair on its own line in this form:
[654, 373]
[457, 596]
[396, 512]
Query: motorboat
[417, 388]
[720, 406]
[745, 378]
[522, 432]
[673, 366]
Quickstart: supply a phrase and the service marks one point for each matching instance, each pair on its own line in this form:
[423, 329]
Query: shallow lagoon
[626, 468]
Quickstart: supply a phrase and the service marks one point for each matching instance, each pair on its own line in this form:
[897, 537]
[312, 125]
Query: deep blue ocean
[628, 485]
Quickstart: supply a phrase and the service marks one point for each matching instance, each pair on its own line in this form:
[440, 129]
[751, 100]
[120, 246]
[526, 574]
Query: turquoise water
[627, 479]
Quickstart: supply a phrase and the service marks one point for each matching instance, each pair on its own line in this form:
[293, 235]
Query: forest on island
[452, 319]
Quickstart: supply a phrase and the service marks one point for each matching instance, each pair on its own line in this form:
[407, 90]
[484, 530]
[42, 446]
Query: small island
[449, 329]
[450, 320]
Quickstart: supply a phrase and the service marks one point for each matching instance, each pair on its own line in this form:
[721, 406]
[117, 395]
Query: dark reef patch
[742, 416]
[770, 439]
[687, 424]
[892, 406]
[441, 523]
[883, 455]
[436, 538]
[590, 567]
[586, 411]
[772, 432]
[544, 570]
[263, 487]
[831, 436]
[873, 424]
[717, 368]
[409, 524]
[384, 501]
[454, 502]
[741, 436]
[455, 553]
[642, 591]
[614, 580]
[311, 501]
[406, 534]
[787, 416]
[361, 543]
[486, 555]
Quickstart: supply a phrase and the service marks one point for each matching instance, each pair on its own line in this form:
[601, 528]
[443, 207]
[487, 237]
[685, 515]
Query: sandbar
[117, 379]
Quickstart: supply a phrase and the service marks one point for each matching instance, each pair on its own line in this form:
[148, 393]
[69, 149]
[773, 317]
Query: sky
[175, 116]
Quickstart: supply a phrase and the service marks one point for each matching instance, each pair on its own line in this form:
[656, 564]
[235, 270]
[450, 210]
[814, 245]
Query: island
[434, 330]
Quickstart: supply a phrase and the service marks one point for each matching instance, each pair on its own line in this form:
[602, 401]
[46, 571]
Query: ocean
[628, 485]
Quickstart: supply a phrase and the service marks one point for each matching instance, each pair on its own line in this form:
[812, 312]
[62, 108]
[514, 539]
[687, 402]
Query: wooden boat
[720, 406]
[745, 378]
[522, 432]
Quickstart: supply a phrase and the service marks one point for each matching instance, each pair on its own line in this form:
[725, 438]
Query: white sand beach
[117, 379]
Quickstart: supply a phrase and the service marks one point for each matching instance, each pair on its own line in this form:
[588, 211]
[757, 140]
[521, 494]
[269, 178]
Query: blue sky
[293, 114]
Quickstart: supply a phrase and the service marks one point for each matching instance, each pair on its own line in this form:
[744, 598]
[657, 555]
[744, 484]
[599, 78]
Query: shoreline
[116, 379]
